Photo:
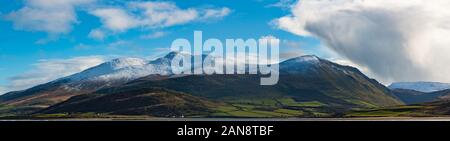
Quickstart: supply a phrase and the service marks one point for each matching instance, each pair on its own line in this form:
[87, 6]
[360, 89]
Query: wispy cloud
[47, 70]
[290, 54]
[57, 17]
[284, 4]
[115, 19]
[97, 34]
[51, 16]
[268, 37]
[295, 50]
[154, 35]
[215, 13]
[396, 40]
[292, 44]
[3, 90]
[151, 15]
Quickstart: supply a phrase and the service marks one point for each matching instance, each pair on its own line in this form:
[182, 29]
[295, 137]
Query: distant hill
[420, 86]
[434, 104]
[416, 97]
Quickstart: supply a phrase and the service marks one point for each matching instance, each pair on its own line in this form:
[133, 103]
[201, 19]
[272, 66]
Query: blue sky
[391, 41]
[24, 45]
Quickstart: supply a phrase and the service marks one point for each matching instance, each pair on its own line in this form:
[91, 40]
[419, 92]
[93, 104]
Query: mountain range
[308, 87]
[420, 92]
[421, 86]
[416, 97]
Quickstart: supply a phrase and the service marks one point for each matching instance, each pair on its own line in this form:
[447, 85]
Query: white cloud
[154, 35]
[291, 54]
[97, 34]
[59, 16]
[118, 44]
[268, 37]
[47, 70]
[115, 19]
[51, 16]
[164, 14]
[294, 51]
[150, 15]
[291, 44]
[285, 4]
[395, 40]
[3, 90]
[346, 62]
[216, 13]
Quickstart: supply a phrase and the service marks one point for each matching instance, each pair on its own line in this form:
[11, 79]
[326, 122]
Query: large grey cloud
[395, 40]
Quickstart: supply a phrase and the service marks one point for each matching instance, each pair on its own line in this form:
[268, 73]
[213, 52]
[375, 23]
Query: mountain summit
[116, 68]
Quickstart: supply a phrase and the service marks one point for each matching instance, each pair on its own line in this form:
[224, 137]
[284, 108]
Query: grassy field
[400, 111]
[257, 108]
[266, 108]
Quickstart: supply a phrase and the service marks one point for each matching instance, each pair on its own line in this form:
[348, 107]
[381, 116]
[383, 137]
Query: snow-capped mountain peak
[306, 59]
[126, 69]
[164, 60]
[118, 65]
[301, 62]
[126, 62]
[171, 55]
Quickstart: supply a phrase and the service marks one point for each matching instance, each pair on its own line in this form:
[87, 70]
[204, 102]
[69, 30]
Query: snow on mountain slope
[108, 74]
[311, 64]
[307, 59]
[421, 86]
[107, 68]
[124, 69]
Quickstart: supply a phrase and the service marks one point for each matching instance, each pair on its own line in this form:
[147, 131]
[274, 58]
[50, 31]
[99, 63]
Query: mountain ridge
[316, 88]
[306, 80]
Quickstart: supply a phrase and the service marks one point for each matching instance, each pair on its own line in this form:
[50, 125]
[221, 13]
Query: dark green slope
[333, 80]
[42, 96]
[147, 101]
[302, 80]
[36, 98]
[439, 108]
[416, 97]
[434, 104]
